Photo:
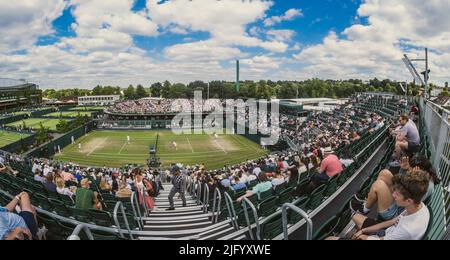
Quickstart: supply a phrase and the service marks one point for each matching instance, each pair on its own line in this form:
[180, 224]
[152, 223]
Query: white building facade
[98, 100]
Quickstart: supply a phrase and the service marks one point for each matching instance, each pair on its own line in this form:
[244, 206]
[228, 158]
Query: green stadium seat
[80, 215]
[101, 218]
[294, 217]
[286, 196]
[272, 228]
[316, 197]
[59, 207]
[267, 207]
[43, 202]
[327, 229]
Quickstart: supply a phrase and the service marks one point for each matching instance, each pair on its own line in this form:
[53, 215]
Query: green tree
[63, 126]
[140, 92]
[165, 91]
[42, 134]
[155, 89]
[130, 93]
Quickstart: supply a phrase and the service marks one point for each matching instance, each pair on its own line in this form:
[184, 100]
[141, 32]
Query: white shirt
[277, 181]
[412, 227]
[251, 177]
[64, 191]
[243, 179]
[47, 170]
[257, 171]
[36, 167]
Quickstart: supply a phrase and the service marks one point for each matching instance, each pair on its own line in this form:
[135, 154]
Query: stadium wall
[5, 121]
[42, 112]
[20, 145]
[51, 148]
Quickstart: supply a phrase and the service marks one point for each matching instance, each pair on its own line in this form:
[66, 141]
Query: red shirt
[331, 166]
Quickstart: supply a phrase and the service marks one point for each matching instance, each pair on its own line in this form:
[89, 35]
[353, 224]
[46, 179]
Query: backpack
[155, 191]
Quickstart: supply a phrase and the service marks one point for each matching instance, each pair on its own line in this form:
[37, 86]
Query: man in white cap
[330, 167]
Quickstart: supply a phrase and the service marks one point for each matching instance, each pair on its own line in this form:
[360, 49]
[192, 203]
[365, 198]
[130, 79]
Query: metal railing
[76, 232]
[217, 201]
[301, 213]
[198, 195]
[137, 210]
[436, 120]
[118, 206]
[247, 219]
[145, 206]
[205, 198]
[231, 211]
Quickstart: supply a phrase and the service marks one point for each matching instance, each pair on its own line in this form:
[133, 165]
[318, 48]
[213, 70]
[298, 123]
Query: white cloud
[23, 22]
[290, 15]
[280, 35]
[107, 25]
[201, 51]
[226, 21]
[376, 49]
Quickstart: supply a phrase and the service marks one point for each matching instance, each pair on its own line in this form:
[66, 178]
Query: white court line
[189, 142]
[221, 147]
[93, 149]
[123, 146]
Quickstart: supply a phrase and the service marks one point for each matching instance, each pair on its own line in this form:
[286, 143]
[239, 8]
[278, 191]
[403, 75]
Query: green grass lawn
[35, 123]
[10, 137]
[68, 114]
[87, 108]
[111, 148]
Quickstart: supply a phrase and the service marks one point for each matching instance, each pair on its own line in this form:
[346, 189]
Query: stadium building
[15, 94]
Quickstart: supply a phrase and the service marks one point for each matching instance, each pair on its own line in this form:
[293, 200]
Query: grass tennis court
[10, 137]
[35, 122]
[68, 114]
[111, 148]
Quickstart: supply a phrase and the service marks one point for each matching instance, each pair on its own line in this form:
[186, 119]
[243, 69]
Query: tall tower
[238, 84]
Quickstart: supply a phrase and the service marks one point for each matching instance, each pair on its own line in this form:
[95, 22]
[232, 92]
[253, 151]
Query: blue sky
[319, 17]
[123, 42]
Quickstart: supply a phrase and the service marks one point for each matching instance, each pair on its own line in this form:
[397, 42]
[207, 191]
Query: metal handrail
[75, 234]
[301, 213]
[124, 215]
[199, 193]
[217, 196]
[231, 211]
[247, 219]
[143, 193]
[206, 198]
[137, 213]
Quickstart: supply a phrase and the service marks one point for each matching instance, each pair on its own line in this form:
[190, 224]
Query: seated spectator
[86, 198]
[412, 224]
[278, 180]
[330, 167]
[49, 184]
[263, 185]
[17, 226]
[66, 176]
[61, 188]
[104, 185]
[238, 185]
[224, 181]
[408, 140]
[292, 175]
[124, 191]
[38, 177]
[381, 191]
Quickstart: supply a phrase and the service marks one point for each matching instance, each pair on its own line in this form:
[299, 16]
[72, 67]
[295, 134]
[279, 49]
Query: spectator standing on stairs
[179, 186]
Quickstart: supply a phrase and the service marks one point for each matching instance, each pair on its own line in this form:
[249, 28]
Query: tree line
[262, 89]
